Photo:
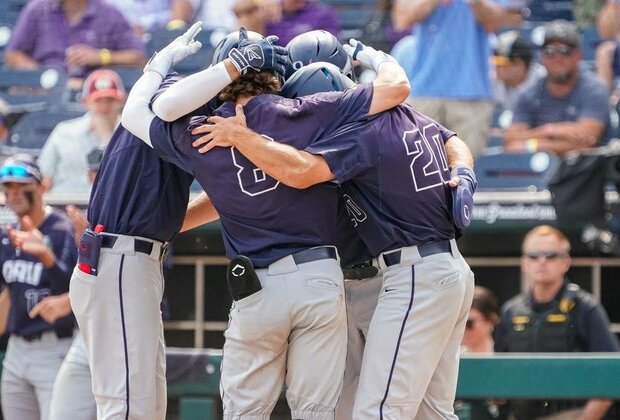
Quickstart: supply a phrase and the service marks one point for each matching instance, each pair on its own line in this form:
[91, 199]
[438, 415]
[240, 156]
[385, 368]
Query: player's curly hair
[251, 84]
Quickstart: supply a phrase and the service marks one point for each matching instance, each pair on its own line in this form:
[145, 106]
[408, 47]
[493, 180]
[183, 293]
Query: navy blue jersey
[397, 162]
[136, 192]
[29, 281]
[262, 218]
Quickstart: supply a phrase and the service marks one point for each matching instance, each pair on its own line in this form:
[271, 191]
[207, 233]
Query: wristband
[531, 145]
[106, 56]
[176, 24]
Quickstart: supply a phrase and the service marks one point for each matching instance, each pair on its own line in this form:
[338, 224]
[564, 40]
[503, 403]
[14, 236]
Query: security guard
[553, 316]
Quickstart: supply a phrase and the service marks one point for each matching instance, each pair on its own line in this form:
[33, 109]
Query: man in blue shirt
[565, 110]
[450, 76]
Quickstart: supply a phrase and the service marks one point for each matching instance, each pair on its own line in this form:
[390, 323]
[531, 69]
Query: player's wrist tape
[239, 61]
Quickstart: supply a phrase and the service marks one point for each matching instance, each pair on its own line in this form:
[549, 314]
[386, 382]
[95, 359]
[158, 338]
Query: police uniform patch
[556, 318]
[566, 304]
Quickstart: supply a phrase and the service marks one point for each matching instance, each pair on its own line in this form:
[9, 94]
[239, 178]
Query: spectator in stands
[514, 67]
[63, 158]
[565, 110]
[251, 15]
[450, 77]
[608, 52]
[143, 15]
[4, 130]
[554, 315]
[214, 14]
[294, 17]
[72, 35]
[483, 317]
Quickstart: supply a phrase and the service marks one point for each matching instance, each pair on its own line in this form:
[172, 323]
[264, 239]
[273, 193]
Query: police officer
[553, 316]
[36, 263]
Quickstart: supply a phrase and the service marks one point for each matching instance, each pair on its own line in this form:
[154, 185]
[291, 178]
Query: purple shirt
[261, 217]
[42, 31]
[396, 162]
[311, 16]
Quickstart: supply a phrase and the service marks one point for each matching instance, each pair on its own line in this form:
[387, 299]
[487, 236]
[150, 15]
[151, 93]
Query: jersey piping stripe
[120, 294]
[400, 336]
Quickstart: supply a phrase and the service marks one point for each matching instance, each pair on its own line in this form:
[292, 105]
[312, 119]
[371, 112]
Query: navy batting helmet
[314, 46]
[230, 41]
[314, 78]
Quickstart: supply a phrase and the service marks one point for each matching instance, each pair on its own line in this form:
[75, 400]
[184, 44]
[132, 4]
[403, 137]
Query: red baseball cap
[103, 83]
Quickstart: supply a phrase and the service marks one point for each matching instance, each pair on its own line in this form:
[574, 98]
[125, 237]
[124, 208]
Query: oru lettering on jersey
[21, 271]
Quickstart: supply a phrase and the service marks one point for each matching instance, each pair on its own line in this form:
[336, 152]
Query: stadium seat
[5, 34]
[516, 171]
[548, 10]
[32, 130]
[129, 75]
[30, 90]
[10, 10]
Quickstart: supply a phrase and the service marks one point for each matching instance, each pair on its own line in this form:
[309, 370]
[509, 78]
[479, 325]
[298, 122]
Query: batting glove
[366, 55]
[463, 196]
[258, 55]
[182, 47]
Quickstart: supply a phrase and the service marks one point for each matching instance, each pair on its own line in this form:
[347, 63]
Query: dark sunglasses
[553, 50]
[551, 255]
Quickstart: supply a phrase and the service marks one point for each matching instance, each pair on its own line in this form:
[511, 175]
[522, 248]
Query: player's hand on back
[179, 49]
[221, 132]
[258, 55]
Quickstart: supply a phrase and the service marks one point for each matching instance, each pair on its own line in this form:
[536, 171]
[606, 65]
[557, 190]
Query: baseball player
[267, 342]
[36, 267]
[117, 285]
[405, 209]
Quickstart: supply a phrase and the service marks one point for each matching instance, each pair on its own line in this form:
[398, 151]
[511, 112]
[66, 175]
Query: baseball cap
[103, 83]
[561, 30]
[20, 168]
[512, 46]
[93, 158]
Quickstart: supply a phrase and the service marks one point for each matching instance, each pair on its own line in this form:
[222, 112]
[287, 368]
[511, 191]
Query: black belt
[60, 333]
[425, 250]
[139, 245]
[314, 254]
[364, 270]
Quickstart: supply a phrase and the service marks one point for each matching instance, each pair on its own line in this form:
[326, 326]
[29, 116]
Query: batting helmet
[314, 46]
[314, 78]
[230, 41]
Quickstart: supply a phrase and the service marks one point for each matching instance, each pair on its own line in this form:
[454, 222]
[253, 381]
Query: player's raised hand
[366, 55]
[221, 132]
[463, 183]
[180, 48]
[258, 55]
